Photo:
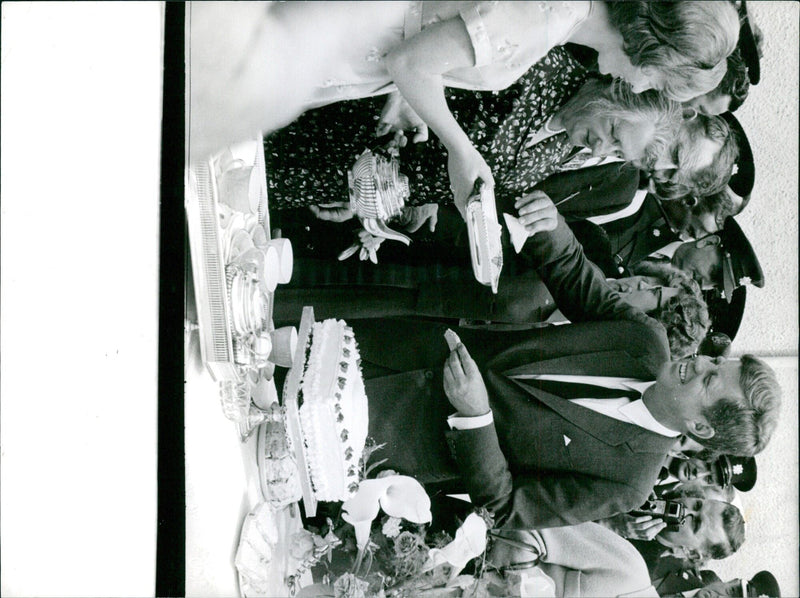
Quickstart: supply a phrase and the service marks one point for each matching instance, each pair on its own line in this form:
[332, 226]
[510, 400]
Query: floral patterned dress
[307, 161]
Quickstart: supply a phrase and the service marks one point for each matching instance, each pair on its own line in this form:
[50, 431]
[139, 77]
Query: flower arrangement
[380, 546]
[387, 554]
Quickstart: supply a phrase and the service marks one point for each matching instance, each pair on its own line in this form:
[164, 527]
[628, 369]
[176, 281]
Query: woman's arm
[417, 66]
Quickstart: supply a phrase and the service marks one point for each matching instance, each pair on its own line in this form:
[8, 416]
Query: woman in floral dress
[256, 67]
[307, 161]
[307, 164]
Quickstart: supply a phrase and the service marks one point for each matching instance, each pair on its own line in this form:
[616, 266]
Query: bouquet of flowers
[380, 544]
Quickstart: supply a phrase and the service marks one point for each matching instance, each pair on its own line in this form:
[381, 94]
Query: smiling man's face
[684, 389]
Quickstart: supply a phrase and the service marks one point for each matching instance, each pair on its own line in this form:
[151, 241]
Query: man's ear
[700, 428]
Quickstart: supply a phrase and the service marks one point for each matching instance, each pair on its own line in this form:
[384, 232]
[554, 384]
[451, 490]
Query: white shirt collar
[638, 413]
[544, 132]
[632, 208]
[635, 411]
[669, 250]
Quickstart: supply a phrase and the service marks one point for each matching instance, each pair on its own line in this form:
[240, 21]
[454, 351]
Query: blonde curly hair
[688, 42]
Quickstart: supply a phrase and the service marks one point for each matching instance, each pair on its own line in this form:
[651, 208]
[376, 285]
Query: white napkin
[516, 231]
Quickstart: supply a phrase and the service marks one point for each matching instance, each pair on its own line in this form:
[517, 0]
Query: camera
[672, 512]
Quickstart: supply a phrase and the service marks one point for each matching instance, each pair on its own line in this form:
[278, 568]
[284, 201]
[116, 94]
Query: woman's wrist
[459, 144]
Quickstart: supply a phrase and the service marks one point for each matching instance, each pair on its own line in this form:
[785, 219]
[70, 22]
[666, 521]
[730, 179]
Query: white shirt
[544, 132]
[590, 160]
[622, 409]
[631, 208]
[670, 479]
[667, 251]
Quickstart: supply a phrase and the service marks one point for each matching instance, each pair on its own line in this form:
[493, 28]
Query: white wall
[770, 118]
[81, 112]
[770, 324]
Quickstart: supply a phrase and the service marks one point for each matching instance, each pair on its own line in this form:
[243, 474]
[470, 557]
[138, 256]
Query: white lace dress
[507, 38]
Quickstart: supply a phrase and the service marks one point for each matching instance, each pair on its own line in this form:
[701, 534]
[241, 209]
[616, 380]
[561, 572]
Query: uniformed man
[724, 261]
[724, 471]
[762, 585]
[711, 529]
[648, 224]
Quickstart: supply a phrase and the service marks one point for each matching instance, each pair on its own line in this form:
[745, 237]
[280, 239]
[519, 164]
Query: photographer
[711, 529]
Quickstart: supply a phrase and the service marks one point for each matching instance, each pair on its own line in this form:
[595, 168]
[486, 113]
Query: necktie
[575, 390]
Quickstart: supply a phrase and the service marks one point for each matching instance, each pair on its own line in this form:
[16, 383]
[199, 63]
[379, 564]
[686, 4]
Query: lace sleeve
[478, 35]
[520, 33]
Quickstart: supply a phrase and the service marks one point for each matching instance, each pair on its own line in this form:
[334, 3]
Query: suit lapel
[606, 429]
[601, 363]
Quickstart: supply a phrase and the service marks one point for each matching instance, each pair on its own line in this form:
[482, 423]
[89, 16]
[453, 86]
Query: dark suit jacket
[551, 270]
[604, 190]
[640, 234]
[546, 462]
[600, 189]
[661, 565]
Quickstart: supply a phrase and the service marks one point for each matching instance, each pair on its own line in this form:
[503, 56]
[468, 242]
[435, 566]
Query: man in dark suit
[538, 450]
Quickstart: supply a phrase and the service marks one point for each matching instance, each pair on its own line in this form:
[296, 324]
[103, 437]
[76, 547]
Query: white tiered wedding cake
[333, 410]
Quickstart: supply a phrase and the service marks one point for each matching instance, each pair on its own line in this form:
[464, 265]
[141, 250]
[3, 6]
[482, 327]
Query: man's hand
[413, 217]
[335, 212]
[463, 384]
[537, 212]
[644, 527]
[397, 116]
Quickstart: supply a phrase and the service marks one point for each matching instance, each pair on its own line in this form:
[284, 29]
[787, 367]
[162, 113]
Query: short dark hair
[744, 429]
[733, 523]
